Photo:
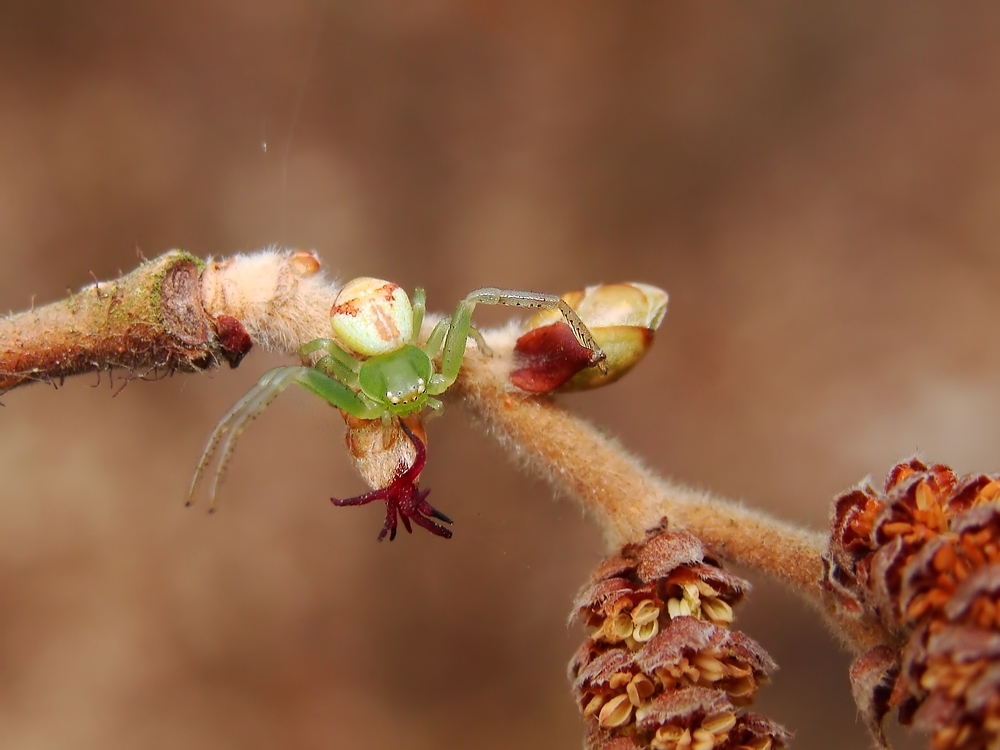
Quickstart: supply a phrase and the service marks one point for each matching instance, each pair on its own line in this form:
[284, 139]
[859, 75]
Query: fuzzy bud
[622, 318]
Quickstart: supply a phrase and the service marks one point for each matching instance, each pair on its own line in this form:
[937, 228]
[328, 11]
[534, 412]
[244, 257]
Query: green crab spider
[376, 369]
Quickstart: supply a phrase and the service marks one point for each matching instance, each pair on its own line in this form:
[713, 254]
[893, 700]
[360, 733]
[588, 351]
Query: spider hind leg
[234, 422]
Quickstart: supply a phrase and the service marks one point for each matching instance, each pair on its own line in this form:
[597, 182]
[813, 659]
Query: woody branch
[177, 312]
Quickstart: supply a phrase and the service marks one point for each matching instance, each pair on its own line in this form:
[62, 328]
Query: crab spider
[374, 368]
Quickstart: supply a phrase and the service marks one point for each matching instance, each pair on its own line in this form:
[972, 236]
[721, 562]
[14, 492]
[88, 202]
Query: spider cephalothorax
[375, 368]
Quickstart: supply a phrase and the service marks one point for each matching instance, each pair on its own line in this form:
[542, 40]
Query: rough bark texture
[148, 320]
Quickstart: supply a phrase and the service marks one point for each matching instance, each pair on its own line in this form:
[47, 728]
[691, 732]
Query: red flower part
[403, 498]
[234, 341]
[549, 356]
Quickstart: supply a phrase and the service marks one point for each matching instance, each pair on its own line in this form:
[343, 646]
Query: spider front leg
[257, 399]
[457, 331]
[336, 363]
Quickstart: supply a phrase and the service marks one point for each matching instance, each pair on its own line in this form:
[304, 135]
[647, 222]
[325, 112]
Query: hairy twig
[150, 319]
[627, 500]
[180, 313]
[175, 312]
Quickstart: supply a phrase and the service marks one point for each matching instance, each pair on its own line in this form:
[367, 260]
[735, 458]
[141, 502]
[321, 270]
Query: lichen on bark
[146, 321]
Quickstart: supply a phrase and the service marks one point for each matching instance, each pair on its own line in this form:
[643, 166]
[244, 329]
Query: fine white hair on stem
[280, 296]
[627, 499]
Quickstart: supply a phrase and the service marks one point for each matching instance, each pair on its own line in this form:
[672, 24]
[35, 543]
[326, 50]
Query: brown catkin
[923, 556]
[662, 669]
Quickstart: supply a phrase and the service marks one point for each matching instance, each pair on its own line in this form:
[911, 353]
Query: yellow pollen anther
[924, 497]
[615, 712]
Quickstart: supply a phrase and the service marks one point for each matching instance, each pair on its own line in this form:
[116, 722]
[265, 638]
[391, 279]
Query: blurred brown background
[816, 184]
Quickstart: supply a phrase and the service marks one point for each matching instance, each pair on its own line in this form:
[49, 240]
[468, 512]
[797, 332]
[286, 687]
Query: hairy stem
[626, 499]
[151, 318]
[175, 312]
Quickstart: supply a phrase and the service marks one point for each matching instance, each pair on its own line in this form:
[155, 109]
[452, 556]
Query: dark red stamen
[403, 498]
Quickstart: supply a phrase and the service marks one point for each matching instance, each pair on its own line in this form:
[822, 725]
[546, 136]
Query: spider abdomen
[372, 316]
